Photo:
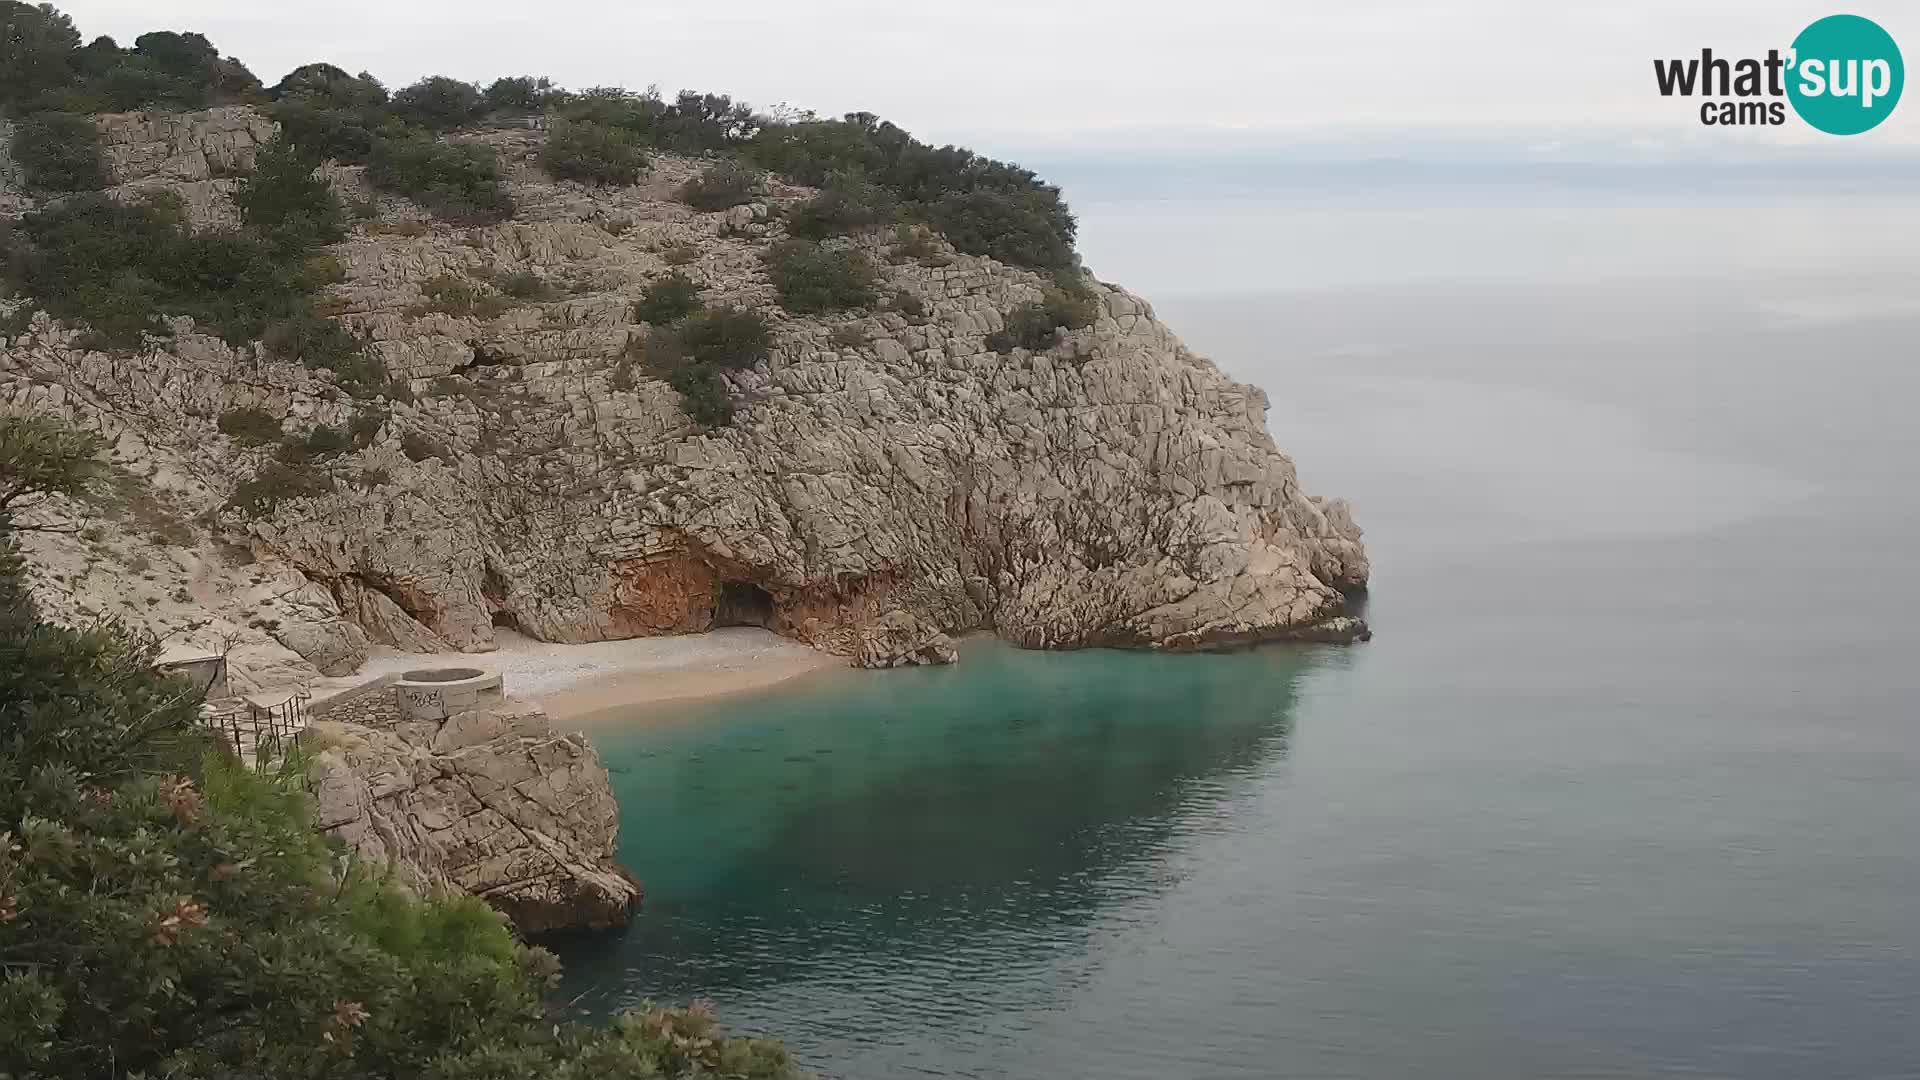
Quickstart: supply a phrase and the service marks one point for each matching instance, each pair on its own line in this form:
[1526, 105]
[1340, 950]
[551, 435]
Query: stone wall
[372, 704]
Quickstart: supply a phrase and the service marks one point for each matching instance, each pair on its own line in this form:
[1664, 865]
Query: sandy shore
[584, 683]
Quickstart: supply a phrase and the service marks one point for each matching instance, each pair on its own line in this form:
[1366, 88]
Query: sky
[1058, 76]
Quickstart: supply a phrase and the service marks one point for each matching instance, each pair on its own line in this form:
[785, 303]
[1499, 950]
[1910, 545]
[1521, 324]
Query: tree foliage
[284, 198]
[668, 299]
[723, 184]
[60, 151]
[458, 182]
[814, 278]
[438, 103]
[593, 153]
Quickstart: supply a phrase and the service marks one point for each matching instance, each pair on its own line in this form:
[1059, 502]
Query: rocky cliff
[491, 802]
[888, 479]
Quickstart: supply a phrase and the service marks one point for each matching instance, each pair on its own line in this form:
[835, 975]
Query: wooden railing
[257, 733]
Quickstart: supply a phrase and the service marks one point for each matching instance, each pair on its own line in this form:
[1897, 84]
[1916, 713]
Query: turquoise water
[1628, 784]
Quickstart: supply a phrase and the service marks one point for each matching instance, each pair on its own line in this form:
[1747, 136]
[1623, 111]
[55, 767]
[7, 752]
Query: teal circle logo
[1846, 75]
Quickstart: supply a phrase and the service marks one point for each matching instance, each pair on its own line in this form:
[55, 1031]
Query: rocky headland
[888, 478]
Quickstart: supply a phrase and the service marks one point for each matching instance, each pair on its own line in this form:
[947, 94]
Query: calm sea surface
[1627, 785]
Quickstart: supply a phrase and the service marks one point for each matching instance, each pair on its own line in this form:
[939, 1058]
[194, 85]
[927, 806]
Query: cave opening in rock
[742, 603]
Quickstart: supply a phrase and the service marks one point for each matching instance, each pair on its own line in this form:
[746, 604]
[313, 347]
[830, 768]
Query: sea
[1626, 785]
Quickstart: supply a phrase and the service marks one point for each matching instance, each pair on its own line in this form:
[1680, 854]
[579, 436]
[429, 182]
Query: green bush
[1022, 228]
[812, 278]
[703, 394]
[339, 134]
[285, 198]
[526, 285]
[119, 268]
[1035, 326]
[670, 298]
[39, 52]
[518, 93]
[726, 337]
[593, 153]
[59, 151]
[723, 184]
[457, 182]
[365, 425]
[276, 482]
[952, 188]
[308, 339]
[249, 426]
[850, 202]
[438, 103]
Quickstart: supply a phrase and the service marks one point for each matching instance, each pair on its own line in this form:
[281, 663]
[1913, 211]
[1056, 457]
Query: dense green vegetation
[593, 153]
[285, 200]
[59, 151]
[459, 182]
[166, 911]
[667, 300]
[120, 267]
[692, 352]
[121, 270]
[813, 278]
[724, 184]
[249, 426]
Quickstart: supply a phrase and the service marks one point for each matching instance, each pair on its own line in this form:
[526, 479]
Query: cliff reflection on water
[910, 841]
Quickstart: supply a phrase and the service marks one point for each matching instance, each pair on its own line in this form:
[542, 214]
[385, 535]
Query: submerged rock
[491, 802]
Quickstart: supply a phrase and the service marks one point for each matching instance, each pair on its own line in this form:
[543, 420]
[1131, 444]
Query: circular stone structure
[439, 693]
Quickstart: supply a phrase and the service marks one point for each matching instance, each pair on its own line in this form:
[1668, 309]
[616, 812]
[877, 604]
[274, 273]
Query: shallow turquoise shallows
[1628, 784]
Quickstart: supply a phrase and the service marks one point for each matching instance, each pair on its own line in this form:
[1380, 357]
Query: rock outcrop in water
[888, 478]
[492, 802]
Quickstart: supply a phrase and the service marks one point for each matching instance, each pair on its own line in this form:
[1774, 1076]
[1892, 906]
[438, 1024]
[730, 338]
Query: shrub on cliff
[723, 184]
[703, 394]
[289, 476]
[120, 267]
[996, 208]
[249, 426]
[593, 153]
[458, 182]
[1027, 228]
[814, 278]
[1036, 326]
[165, 911]
[438, 103]
[727, 337]
[284, 197]
[670, 298]
[850, 202]
[518, 93]
[60, 152]
[38, 47]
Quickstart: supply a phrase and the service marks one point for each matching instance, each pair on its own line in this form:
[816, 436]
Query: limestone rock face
[494, 803]
[888, 479]
[179, 147]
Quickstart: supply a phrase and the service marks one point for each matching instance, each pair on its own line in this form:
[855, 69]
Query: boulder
[494, 803]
